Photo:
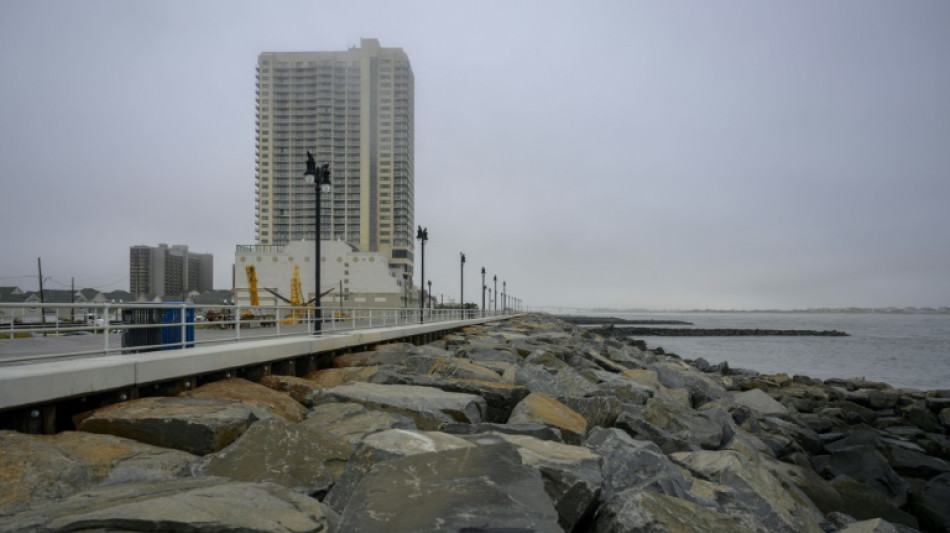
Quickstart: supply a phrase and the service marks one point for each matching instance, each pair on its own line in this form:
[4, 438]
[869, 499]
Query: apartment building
[354, 110]
[170, 271]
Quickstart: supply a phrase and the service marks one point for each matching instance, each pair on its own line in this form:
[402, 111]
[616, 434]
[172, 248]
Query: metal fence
[31, 331]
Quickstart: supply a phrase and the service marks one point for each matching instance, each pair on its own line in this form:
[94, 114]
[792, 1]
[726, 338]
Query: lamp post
[462, 284]
[504, 296]
[423, 236]
[319, 177]
[495, 279]
[430, 296]
[483, 291]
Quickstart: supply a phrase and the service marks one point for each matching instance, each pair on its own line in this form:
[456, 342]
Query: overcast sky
[627, 154]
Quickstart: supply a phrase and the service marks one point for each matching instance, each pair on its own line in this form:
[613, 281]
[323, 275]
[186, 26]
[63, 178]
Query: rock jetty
[530, 424]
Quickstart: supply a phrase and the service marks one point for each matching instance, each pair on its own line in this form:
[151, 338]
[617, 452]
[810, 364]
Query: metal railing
[34, 331]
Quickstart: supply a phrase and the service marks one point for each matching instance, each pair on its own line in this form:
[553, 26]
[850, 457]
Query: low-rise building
[353, 278]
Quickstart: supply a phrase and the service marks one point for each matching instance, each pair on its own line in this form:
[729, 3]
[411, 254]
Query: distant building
[353, 109]
[355, 279]
[169, 271]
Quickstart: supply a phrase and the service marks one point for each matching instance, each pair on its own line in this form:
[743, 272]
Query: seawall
[529, 424]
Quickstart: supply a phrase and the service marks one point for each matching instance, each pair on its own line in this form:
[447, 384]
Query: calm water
[906, 351]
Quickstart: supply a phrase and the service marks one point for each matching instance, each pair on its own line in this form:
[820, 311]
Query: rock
[870, 526]
[931, 504]
[485, 353]
[538, 408]
[572, 474]
[760, 402]
[944, 417]
[649, 379]
[636, 510]
[205, 504]
[449, 368]
[333, 377]
[34, 468]
[265, 401]
[297, 456]
[351, 421]
[867, 465]
[538, 431]
[301, 390]
[635, 464]
[865, 503]
[483, 488]
[388, 355]
[384, 446]
[193, 425]
[500, 397]
[764, 493]
[427, 407]
[921, 417]
[702, 389]
[677, 428]
[599, 410]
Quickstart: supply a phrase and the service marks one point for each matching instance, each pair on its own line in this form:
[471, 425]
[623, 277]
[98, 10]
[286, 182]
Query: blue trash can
[140, 337]
[171, 334]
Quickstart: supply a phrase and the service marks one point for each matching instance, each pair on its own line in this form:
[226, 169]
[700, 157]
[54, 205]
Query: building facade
[353, 109]
[169, 271]
[353, 278]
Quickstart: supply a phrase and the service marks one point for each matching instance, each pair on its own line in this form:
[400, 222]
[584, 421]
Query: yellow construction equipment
[255, 312]
[296, 300]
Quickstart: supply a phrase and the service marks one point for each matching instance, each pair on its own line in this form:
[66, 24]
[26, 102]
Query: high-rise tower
[354, 110]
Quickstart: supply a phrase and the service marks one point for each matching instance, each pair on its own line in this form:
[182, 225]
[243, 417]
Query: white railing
[61, 329]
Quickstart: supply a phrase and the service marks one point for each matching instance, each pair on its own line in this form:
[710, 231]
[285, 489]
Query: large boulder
[298, 456]
[539, 408]
[759, 489]
[351, 422]
[43, 467]
[427, 407]
[760, 402]
[866, 503]
[931, 505]
[482, 488]
[198, 505]
[643, 510]
[635, 464]
[572, 474]
[194, 425]
[383, 446]
[265, 401]
[869, 466]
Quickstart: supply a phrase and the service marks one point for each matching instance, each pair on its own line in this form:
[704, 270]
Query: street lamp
[483, 291]
[319, 177]
[423, 236]
[495, 279]
[504, 296]
[462, 284]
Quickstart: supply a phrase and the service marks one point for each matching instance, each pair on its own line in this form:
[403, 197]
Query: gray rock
[301, 457]
[865, 503]
[538, 431]
[572, 474]
[43, 467]
[760, 491]
[481, 488]
[867, 465]
[635, 464]
[870, 526]
[635, 510]
[199, 505]
[427, 407]
[600, 409]
[193, 425]
[931, 505]
[383, 446]
[702, 389]
[759, 401]
[351, 421]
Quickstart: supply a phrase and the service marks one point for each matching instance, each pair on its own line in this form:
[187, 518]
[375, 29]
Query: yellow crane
[255, 312]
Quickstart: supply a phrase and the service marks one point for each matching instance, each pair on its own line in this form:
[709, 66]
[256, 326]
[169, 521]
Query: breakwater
[530, 424]
[720, 332]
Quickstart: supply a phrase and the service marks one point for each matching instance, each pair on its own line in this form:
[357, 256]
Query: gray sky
[684, 154]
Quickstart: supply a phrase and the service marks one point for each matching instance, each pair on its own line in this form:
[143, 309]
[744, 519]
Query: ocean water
[903, 350]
